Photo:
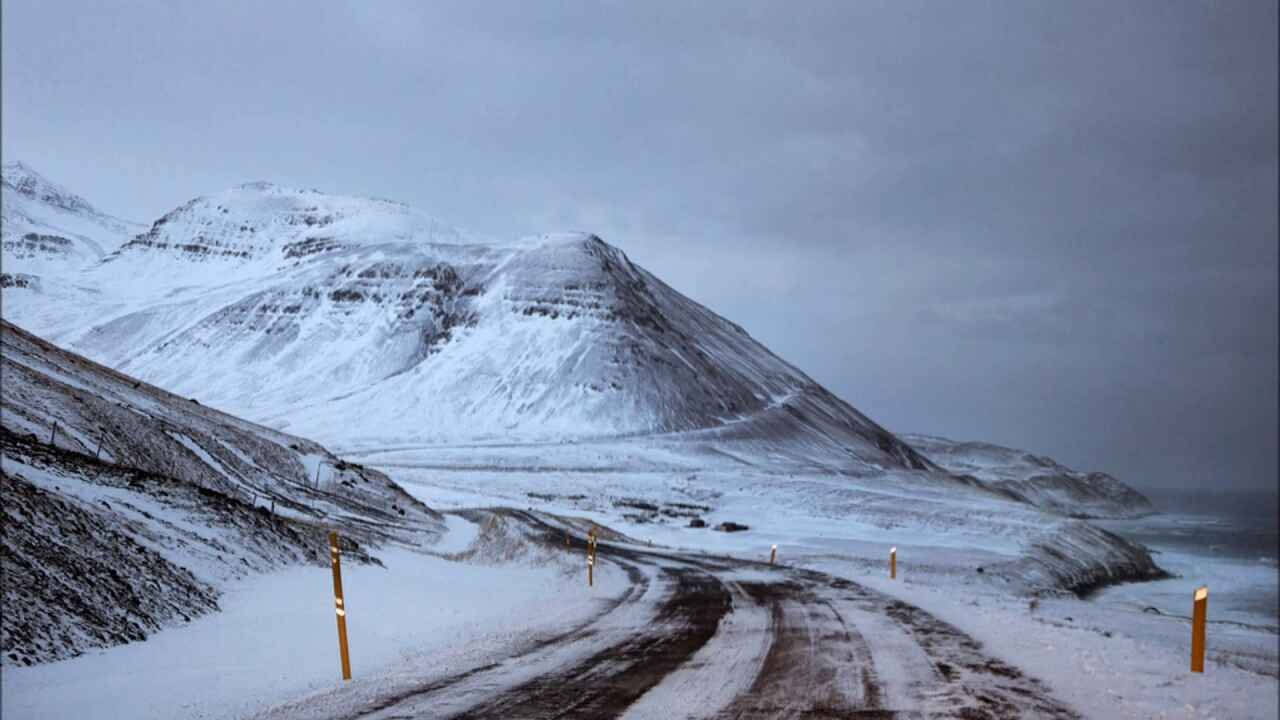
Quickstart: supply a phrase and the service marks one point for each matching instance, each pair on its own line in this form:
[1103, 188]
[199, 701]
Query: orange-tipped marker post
[339, 604]
[1199, 613]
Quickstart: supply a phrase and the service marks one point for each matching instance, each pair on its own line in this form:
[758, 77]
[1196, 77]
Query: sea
[1226, 540]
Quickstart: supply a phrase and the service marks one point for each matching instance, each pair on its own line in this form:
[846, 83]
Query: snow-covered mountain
[45, 228]
[126, 507]
[360, 321]
[551, 367]
[1035, 479]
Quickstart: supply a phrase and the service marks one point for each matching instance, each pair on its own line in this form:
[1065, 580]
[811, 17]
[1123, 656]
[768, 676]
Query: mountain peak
[24, 180]
[259, 185]
[563, 238]
[48, 230]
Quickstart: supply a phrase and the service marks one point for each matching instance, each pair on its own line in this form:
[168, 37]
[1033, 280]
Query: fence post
[98, 452]
[53, 433]
[339, 605]
[773, 553]
[893, 563]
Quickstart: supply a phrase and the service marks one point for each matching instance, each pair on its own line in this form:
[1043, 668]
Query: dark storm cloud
[1051, 225]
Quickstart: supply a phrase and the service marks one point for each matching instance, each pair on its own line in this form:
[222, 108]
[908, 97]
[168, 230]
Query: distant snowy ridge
[46, 228]
[127, 507]
[30, 184]
[1035, 479]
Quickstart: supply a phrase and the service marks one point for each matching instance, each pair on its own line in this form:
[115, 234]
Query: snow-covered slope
[127, 507]
[47, 229]
[1035, 479]
[360, 321]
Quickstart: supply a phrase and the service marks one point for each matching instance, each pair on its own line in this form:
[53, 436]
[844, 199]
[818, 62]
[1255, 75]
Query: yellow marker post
[339, 606]
[773, 553]
[1199, 611]
[893, 563]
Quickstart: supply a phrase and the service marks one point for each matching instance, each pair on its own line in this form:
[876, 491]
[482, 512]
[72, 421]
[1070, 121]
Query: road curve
[704, 637]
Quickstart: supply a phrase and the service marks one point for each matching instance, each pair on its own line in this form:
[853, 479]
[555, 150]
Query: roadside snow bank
[275, 638]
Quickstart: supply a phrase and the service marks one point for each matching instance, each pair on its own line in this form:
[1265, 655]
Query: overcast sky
[1047, 225]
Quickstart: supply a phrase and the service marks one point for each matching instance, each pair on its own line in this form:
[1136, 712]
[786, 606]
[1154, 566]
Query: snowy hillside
[127, 507]
[355, 321]
[47, 229]
[1035, 479]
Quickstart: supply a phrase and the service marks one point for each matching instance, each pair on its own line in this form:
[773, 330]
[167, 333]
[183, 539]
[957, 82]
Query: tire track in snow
[608, 682]
[962, 681]
[817, 666]
[719, 672]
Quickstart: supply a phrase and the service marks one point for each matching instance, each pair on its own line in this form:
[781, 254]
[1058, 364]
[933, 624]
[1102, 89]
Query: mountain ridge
[428, 335]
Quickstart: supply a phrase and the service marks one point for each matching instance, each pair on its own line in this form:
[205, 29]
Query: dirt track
[705, 637]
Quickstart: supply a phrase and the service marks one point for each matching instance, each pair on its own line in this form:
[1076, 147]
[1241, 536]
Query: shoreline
[1226, 554]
